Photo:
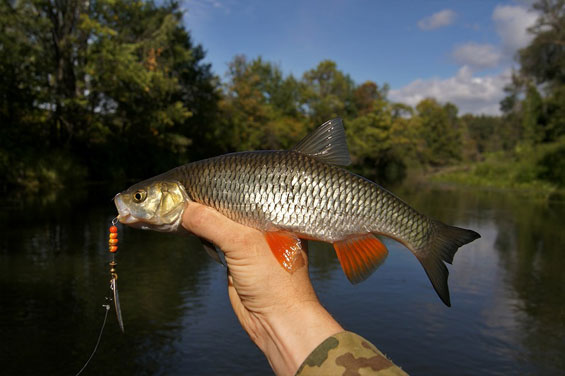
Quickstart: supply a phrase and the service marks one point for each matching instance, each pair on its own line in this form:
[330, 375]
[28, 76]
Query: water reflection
[527, 235]
[530, 242]
[508, 293]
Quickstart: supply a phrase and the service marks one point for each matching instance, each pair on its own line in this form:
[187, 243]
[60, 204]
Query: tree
[535, 100]
[544, 58]
[379, 140]
[485, 132]
[533, 116]
[144, 81]
[327, 93]
[439, 129]
[365, 96]
[97, 75]
[555, 113]
[260, 109]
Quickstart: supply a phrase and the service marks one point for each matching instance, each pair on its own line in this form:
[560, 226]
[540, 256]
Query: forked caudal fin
[442, 247]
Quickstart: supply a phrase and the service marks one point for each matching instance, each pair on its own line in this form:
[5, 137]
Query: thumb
[206, 222]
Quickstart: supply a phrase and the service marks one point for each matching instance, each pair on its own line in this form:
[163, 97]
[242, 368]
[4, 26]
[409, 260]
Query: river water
[507, 293]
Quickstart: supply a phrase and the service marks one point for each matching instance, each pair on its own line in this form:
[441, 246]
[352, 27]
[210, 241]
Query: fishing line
[107, 306]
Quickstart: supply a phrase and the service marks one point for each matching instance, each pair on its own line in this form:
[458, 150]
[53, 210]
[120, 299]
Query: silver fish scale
[295, 192]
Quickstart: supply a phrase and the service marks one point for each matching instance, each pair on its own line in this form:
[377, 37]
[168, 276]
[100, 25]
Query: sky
[461, 51]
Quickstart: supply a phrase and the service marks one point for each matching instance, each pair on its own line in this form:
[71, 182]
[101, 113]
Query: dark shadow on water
[54, 280]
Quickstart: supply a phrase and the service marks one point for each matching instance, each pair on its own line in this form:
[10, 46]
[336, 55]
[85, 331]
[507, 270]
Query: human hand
[279, 310]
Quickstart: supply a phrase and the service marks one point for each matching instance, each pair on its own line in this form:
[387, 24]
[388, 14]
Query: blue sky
[458, 51]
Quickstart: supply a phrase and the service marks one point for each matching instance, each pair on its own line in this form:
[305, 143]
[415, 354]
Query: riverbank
[498, 176]
[534, 169]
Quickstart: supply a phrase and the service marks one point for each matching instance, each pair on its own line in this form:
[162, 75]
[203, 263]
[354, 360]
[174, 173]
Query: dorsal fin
[326, 143]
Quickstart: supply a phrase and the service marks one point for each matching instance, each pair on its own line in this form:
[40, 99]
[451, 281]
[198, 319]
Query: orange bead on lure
[113, 239]
[113, 248]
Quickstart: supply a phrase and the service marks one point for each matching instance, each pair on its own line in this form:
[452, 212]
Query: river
[507, 293]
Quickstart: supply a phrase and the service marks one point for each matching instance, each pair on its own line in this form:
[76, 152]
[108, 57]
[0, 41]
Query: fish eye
[139, 196]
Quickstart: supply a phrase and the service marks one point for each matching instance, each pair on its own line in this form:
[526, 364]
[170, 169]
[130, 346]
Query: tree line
[115, 89]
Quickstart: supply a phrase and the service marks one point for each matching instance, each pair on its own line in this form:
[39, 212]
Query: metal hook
[114, 288]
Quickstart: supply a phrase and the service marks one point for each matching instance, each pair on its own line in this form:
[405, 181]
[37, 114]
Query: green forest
[111, 90]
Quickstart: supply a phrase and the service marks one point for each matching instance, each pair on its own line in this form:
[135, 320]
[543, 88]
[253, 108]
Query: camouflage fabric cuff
[347, 354]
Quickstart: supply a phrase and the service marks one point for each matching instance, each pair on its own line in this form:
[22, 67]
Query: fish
[300, 193]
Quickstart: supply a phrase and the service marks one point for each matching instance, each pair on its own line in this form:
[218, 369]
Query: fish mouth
[124, 215]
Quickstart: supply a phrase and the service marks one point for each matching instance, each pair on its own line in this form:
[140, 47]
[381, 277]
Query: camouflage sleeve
[347, 354]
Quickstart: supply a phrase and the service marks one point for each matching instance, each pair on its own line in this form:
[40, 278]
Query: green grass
[524, 169]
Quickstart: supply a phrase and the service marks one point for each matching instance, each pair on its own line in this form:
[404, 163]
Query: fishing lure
[113, 248]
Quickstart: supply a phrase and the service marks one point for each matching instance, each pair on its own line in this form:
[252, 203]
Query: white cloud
[471, 94]
[511, 23]
[477, 55]
[437, 20]
[197, 9]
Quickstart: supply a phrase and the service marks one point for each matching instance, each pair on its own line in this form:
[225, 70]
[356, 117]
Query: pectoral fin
[360, 256]
[286, 248]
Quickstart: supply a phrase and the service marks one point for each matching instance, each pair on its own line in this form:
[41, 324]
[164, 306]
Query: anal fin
[286, 248]
[360, 256]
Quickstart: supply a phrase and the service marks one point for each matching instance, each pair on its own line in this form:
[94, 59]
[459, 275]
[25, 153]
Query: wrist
[288, 335]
